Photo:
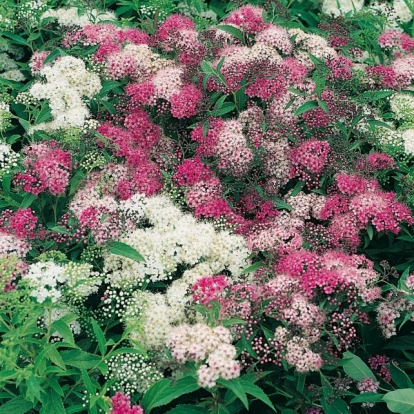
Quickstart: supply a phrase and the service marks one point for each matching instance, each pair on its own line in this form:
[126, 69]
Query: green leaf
[58, 229]
[356, 368]
[374, 122]
[53, 403]
[57, 52]
[33, 389]
[63, 329]
[16, 39]
[27, 200]
[17, 405]
[80, 359]
[233, 321]
[324, 106]
[6, 183]
[236, 387]
[256, 392]
[89, 385]
[188, 409]
[55, 357]
[178, 388]
[123, 249]
[298, 188]
[151, 395]
[307, 106]
[252, 268]
[400, 401]
[370, 96]
[404, 343]
[338, 406]
[100, 337]
[367, 397]
[400, 377]
[228, 107]
[234, 31]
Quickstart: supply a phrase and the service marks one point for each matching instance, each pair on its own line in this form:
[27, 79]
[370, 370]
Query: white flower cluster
[340, 7]
[200, 343]
[50, 280]
[71, 16]
[408, 137]
[68, 82]
[402, 105]
[8, 158]
[134, 373]
[174, 239]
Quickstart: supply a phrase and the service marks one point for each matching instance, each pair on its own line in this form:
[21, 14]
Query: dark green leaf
[53, 403]
[100, 337]
[178, 388]
[400, 377]
[17, 405]
[150, 397]
[16, 38]
[188, 409]
[256, 392]
[236, 387]
[27, 200]
[80, 359]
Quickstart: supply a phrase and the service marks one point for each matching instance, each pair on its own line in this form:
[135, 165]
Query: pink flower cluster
[47, 167]
[178, 33]
[22, 223]
[121, 405]
[398, 42]
[357, 203]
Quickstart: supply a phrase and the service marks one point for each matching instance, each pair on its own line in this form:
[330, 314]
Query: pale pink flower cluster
[389, 312]
[201, 343]
[299, 354]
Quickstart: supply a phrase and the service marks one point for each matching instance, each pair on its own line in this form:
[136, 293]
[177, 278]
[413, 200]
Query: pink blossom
[121, 405]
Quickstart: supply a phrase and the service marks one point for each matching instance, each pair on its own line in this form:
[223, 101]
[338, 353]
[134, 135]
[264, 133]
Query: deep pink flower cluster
[309, 161]
[340, 67]
[209, 288]
[357, 203]
[248, 18]
[381, 363]
[47, 167]
[22, 223]
[121, 405]
[178, 33]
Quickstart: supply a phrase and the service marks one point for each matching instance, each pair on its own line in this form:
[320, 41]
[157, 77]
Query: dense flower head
[248, 18]
[121, 405]
[21, 223]
[47, 167]
[184, 103]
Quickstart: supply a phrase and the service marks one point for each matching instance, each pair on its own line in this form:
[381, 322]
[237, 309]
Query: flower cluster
[200, 343]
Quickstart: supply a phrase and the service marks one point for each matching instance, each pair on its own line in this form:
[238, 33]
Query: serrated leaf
[256, 392]
[178, 388]
[34, 390]
[63, 329]
[17, 405]
[370, 96]
[356, 368]
[307, 106]
[53, 404]
[151, 395]
[55, 357]
[400, 401]
[125, 250]
[236, 388]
